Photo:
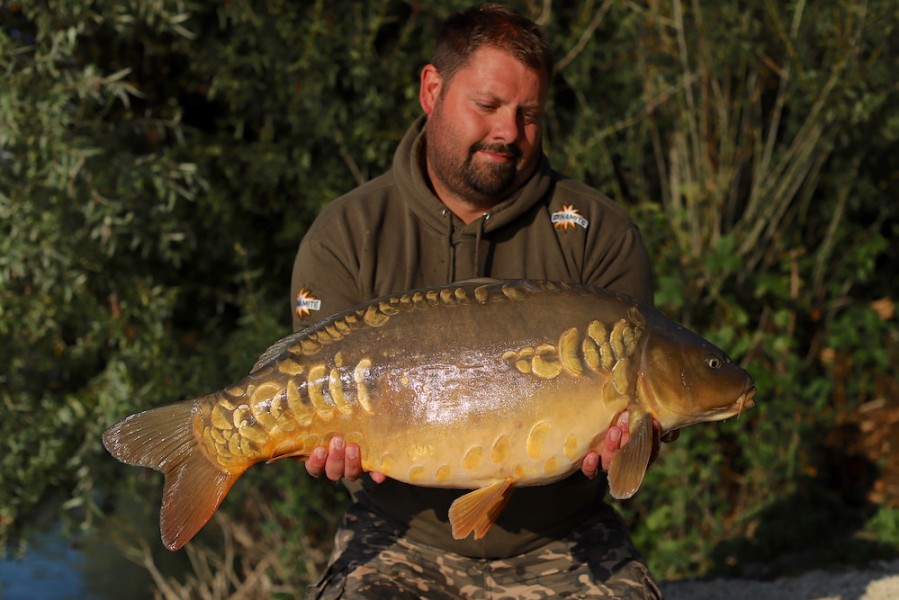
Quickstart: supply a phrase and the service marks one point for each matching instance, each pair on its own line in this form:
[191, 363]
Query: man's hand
[339, 461]
[616, 437]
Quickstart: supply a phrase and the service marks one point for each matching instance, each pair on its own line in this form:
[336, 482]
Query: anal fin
[478, 510]
[629, 465]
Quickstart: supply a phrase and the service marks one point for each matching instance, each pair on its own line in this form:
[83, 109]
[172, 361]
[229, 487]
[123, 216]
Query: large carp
[483, 385]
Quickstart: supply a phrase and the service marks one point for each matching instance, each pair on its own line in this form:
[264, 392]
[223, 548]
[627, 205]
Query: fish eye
[714, 362]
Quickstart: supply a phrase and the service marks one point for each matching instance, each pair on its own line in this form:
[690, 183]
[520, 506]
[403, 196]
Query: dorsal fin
[278, 348]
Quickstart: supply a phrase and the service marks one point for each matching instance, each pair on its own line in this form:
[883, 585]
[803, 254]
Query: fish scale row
[601, 350]
[245, 423]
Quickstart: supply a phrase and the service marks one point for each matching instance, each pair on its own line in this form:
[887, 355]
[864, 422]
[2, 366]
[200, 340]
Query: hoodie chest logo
[306, 303]
[569, 216]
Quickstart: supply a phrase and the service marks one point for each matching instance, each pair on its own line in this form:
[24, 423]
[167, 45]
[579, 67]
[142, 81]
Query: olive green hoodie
[393, 234]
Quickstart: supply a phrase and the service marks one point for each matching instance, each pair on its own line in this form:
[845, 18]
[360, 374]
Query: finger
[623, 422]
[335, 464]
[656, 446]
[610, 446]
[353, 465]
[315, 464]
[668, 436]
[590, 465]
[378, 477]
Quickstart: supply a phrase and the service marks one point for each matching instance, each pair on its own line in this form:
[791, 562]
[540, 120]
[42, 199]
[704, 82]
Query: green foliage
[160, 160]
[769, 233]
[884, 526]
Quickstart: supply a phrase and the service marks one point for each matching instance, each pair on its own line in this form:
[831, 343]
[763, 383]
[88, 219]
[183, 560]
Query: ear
[429, 90]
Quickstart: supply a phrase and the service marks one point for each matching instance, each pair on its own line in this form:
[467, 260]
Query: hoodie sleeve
[622, 264]
[323, 280]
[607, 250]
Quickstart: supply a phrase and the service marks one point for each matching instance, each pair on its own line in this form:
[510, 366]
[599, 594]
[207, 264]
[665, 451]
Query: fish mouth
[735, 409]
[746, 400]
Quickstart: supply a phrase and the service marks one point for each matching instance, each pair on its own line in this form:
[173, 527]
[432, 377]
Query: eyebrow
[490, 96]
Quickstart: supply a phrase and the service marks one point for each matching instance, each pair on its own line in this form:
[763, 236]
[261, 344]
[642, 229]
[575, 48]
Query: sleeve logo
[569, 216]
[306, 303]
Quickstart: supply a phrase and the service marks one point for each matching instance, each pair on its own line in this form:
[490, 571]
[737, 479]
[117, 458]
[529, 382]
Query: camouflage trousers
[370, 560]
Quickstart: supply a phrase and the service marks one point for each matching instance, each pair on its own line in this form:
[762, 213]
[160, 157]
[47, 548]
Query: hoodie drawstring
[450, 248]
[482, 249]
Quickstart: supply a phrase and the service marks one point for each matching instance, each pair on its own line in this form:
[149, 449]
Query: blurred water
[59, 565]
[51, 569]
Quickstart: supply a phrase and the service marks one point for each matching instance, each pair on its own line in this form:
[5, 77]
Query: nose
[507, 126]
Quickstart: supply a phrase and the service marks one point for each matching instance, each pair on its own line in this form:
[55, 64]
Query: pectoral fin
[476, 511]
[629, 465]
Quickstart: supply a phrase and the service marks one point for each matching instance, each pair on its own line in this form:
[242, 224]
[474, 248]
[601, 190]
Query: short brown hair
[492, 25]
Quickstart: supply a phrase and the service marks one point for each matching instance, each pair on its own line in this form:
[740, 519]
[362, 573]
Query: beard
[491, 180]
[481, 183]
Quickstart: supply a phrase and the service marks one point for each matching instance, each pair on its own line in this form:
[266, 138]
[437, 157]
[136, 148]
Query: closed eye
[531, 117]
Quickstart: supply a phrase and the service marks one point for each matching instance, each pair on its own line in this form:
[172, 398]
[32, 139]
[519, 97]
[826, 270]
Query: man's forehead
[491, 52]
[487, 71]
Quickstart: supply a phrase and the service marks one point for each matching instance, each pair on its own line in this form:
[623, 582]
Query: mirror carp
[484, 385]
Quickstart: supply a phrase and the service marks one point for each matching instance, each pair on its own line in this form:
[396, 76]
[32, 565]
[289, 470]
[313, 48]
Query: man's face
[484, 127]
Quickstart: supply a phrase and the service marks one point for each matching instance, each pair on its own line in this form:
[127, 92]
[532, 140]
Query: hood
[413, 184]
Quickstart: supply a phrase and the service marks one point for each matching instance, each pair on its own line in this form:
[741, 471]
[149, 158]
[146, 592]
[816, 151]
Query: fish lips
[744, 401]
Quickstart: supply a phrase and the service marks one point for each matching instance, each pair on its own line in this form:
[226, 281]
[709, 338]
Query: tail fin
[163, 439]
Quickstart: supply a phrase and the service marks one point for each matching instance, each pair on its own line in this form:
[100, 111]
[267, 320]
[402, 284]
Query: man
[470, 194]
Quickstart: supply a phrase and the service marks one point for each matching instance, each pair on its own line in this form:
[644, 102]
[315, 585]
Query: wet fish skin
[477, 385]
